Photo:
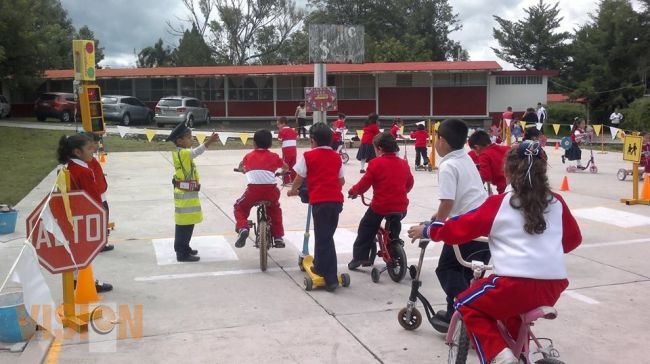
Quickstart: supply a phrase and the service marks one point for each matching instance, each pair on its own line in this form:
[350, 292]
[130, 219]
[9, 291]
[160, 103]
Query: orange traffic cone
[557, 145]
[645, 191]
[102, 158]
[86, 291]
[565, 184]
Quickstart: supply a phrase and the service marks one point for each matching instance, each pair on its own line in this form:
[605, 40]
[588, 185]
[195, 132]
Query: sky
[124, 27]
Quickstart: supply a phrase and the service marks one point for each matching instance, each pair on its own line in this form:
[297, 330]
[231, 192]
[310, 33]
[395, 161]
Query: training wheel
[413, 271]
[593, 169]
[309, 284]
[409, 323]
[374, 274]
[345, 280]
[621, 174]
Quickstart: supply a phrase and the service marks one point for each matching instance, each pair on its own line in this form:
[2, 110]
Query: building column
[178, 86]
[430, 94]
[376, 93]
[275, 96]
[226, 93]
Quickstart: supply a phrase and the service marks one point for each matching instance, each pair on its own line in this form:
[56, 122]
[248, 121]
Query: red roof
[556, 98]
[284, 69]
[527, 73]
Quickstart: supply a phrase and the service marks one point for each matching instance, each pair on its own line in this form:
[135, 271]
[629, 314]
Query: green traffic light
[90, 71]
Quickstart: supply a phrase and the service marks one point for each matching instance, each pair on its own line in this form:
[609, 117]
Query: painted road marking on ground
[343, 239]
[612, 216]
[581, 297]
[211, 249]
[614, 243]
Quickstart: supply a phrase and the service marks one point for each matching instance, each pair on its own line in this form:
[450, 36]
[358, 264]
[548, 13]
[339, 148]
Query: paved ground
[224, 310]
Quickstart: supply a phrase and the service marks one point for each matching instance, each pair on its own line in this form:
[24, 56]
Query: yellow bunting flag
[401, 130]
[435, 126]
[597, 129]
[556, 128]
[150, 134]
[360, 133]
[523, 125]
[200, 137]
[243, 137]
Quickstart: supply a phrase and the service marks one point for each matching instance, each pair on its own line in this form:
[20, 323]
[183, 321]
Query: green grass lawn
[28, 155]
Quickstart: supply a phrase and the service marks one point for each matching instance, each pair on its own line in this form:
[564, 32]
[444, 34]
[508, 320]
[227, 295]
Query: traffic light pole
[320, 81]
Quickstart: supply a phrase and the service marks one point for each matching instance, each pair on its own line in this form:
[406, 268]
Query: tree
[192, 50]
[155, 56]
[533, 42]
[85, 33]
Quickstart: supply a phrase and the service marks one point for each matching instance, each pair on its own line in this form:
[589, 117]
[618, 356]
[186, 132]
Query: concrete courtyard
[224, 310]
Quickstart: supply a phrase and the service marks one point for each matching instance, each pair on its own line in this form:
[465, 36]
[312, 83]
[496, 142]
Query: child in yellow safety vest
[186, 190]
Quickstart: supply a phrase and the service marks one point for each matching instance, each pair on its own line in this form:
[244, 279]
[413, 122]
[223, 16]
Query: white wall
[520, 97]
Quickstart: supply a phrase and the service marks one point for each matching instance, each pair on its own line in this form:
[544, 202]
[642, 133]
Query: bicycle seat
[264, 202]
[546, 312]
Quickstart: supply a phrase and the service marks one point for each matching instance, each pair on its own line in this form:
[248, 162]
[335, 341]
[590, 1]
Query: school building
[473, 90]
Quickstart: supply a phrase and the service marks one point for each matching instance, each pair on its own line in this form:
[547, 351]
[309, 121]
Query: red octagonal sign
[86, 235]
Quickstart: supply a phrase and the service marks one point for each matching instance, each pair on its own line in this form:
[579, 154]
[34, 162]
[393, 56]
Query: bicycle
[341, 150]
[391, 251]
[458, 340]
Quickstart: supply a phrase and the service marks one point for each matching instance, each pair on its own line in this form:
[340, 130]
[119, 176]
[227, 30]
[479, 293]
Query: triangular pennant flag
[360, 133]
[597, 129]
[243, 137]
[614, 132]
[556, 128]
[523, 125]
[420, 122]
[200, 137]
[539, 126]
[223, 137]
[401, 130]
[435, 126]
[381, 130]
[150, 134]
[508, 121]
[307, 127]
[621, 134]
[123, 130]
[62, 185]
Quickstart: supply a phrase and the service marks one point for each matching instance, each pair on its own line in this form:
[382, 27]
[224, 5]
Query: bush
[637, 116]
[564, 113]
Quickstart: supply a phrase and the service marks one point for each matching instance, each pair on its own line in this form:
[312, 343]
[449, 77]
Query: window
[534, 80]
[354, 87]
[192, 103]
[161, 87]
[250, 88]
[293, 87]
[503, 80]
[404, 80]
[143, 89]
[518, 80]
[170, 102]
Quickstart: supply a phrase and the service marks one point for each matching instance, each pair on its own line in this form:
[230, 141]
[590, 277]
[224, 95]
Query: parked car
[178, 109]
[58, 105]
[5, 107]
[125, 109]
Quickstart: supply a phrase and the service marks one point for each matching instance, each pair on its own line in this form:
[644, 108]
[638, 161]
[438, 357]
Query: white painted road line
[614, 243]
[581, 297]
[211, 249]
[612, 217]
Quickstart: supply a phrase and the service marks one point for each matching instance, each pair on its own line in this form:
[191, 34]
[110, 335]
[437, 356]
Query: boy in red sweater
[259, 166]
[421, 139]
[339, 129]
[491, 159]
[289, 150]
[395, 129]
[322, 169]
[391, 180]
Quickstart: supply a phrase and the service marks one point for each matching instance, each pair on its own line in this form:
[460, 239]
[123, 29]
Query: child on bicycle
[398, 124]
[186, 190]
[339, 130]
[322, 169]
[491, 159]
[289, 149]
[530, 229]
[577, 137]
[460, 191]
[421, 137]
[259, 166]
[391, 180]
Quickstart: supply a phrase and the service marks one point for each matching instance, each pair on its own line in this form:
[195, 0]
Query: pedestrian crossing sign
[632, 148]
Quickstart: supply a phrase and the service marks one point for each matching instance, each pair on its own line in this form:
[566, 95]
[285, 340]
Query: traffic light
[90, 106]
[84, 59]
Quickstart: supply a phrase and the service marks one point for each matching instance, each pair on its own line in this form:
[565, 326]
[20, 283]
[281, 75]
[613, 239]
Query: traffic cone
[86, 291]
[565, 184]
[557, 145]
[645, 191]
[102, 158]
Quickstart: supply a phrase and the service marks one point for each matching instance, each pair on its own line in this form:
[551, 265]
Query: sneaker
[241, 240]
[442, 316]
[505, 357]
[108, 248]
[563, 159]
[278, 243]
[362, 171]
[103, 286]
[440, 325]
[332, 287]
[194, 252]
[188, 258]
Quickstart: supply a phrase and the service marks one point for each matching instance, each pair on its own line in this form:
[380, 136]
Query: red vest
[323, 166]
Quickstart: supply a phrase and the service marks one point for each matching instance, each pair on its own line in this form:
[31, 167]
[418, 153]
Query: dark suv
[58, 105]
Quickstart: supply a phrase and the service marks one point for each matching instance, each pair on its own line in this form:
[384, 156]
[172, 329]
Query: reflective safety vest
[187, 204]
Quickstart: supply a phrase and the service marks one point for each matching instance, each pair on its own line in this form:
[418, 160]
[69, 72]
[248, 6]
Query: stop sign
[86, 235]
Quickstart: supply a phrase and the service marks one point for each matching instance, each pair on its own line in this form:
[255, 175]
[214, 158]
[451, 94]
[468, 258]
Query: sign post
[632, 149]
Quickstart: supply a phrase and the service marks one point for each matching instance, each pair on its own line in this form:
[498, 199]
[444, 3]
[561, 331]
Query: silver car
[178, 109]
[125, 109]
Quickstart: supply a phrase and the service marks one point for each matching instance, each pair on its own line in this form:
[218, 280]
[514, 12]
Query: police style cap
[180, 130]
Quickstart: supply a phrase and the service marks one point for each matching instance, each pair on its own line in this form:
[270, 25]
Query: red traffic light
[90, 47]
[93, 95]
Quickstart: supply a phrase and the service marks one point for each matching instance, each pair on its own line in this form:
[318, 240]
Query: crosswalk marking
[211, 249]
[612, 217]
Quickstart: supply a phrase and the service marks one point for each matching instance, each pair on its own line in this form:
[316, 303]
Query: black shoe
[563, 159]
[194, 252]
[108, 248]
[332, 287]
[439, 325]
[241, 240]
[103, 287]
[278, 243]
[188, 258]
[442, 316]
[362, 171]
[354, 264]
[314, 271]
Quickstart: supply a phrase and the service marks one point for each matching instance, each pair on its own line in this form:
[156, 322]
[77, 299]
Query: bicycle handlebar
[277, 174]
[459, 257]
[363, 199]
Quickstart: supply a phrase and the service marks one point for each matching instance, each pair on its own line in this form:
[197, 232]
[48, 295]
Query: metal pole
[320, 80]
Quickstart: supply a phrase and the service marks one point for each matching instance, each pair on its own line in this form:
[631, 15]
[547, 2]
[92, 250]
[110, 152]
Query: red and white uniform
[391, 180]
[491, 163]
[339, 128]
[421, 137]
[259, 167]
[578, 136]
[369, 133]
[529, 269]
[289, 151]
[322, 167]
[99, 177]
[83, 178]
[394, 130]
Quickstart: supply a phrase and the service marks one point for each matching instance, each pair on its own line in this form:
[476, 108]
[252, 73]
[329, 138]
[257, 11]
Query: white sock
[505, 357]
[363, 164]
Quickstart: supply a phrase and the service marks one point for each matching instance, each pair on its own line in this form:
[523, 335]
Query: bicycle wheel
[397, 269]
[459, 347]
[549, 361]
[263, 238]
